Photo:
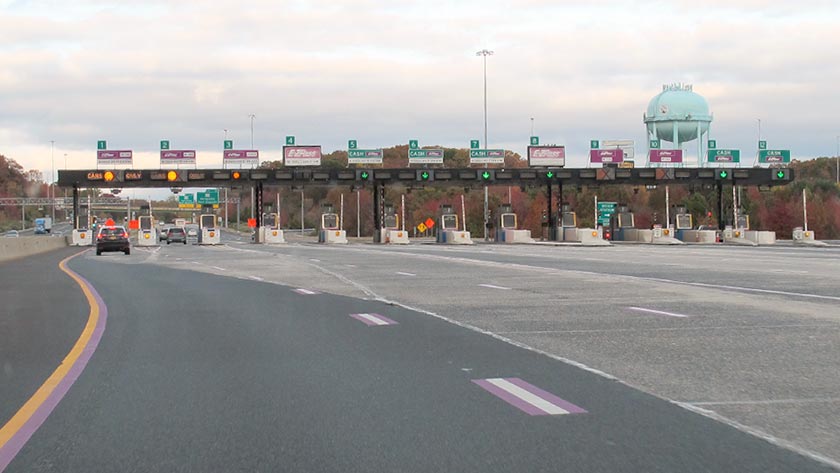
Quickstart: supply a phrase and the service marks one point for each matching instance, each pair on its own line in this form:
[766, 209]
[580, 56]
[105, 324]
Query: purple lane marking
[19, 439]
[510, 398]
[371, 323]
[523, 405]
[561, 403]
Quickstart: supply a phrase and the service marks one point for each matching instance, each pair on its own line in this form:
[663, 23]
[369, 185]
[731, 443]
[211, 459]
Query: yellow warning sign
[422, 227]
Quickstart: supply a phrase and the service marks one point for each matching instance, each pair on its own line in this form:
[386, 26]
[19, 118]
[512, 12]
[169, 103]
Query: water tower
[678, 115]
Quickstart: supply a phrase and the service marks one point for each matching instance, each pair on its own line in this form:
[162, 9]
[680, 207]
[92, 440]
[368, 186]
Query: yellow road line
[25, 413]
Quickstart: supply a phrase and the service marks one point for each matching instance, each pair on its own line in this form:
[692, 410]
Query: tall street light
[838, 159]
[52, 177]
[252, 116]
[484, 53]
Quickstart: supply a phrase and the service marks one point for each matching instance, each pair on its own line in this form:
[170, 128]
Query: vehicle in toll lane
[176, 235]
[192, 233]
[164, 234]
[112, 238]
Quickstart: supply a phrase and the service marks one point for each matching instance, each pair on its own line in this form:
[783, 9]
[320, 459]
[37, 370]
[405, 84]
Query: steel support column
[721, 223]
[75, 207]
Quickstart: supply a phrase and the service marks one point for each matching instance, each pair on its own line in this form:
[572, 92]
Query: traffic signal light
[363, 175]
[723, 174]
[108, 176]
[486, 176]
[424, 175]
[780, 174]
[236, 175]
[172, 176]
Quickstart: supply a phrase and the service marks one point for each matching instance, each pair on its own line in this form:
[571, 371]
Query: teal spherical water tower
[678, 115]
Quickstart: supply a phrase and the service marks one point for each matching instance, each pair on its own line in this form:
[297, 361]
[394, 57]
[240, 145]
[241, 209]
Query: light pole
[252, 129]
[532, 126]
[52, 177]
[838, 159]
[484, 53]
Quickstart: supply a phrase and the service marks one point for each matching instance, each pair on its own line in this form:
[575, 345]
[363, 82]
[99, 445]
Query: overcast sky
[384, 72]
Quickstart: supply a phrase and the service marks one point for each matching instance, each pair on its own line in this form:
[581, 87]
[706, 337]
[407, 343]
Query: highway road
[304, 357]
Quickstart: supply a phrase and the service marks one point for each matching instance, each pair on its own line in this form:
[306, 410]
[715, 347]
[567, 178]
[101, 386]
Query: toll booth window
[569, 220]
[208, 221]
[625, 220]
[450, 222]
[683, 221]
[145, 224]
[390, 221]
[330, 220]
[508, 221]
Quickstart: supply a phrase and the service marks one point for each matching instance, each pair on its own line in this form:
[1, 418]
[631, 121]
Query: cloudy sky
[384, 72]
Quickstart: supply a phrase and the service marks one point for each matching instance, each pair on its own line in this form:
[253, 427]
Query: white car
[12, 234]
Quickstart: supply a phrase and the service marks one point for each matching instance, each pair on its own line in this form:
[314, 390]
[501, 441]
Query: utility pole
[252, 116]
[52, 179]
[484, 53]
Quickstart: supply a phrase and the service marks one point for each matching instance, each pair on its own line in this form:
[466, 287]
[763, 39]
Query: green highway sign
[712, 144]
[654, 144]
[186, 199]
[774, 156]
[425, 156]
[724, 155]
[208, 197]
[762, 144]
[228, 144]
[605, 211]
[413, 144]
[352, 144]
[101, 144]
[594, 144]
[164, 144]
[487, 156]
[474, 144]
[290, 141]
[364, 156]
[535, 141]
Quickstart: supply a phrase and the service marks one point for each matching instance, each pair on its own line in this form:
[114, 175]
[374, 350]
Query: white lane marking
[350, 265]
[195, 262]
[491, 286]
[405, 274]
[526, 396]
[740, 288]
[673, 329]
[767, 401]
[658, 312]
[218, 268]
[256, 278]
[305, 291]
[373, 319]
[315, 260]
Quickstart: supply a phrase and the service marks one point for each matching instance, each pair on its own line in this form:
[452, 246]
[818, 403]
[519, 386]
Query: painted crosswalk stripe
[658, 312]
[527, 397]
[373, 319]
[306, 292]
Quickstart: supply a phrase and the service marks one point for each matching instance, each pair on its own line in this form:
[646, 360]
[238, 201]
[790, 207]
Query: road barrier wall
[14, 248]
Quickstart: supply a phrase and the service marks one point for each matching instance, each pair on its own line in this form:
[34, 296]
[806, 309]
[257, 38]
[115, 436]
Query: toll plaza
[209, 234]
[330, 231]
[507, 231]
[449, 233]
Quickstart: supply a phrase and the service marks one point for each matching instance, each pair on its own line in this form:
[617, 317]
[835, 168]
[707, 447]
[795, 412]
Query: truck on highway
[43, 225]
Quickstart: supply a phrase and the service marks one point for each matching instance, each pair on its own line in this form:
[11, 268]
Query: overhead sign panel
[666, 156]
[614, 155]
[174, 156]
[724, 155]
[364, 156]
[241, 157]
[112, 157]
[554, 156]
[628, 146]
[487, 156]
[302, 155]
[208, 197]
[425, 156]
[774, 156]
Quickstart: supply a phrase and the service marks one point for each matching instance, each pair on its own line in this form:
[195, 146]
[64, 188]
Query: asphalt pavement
[367, 358]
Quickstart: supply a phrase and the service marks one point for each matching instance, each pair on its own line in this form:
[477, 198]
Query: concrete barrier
[14, 248]
[509, 235]
[697, 236]
[760, 237]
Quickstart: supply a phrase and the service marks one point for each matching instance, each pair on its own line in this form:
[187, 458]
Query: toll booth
[448, 230]
[147, 235]
[507, 231]
[208, 233]
[82, 235]
[330, 232]
[806, 238]
[271, 233]
[390, 231]
[623, 224]
[570, 232]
